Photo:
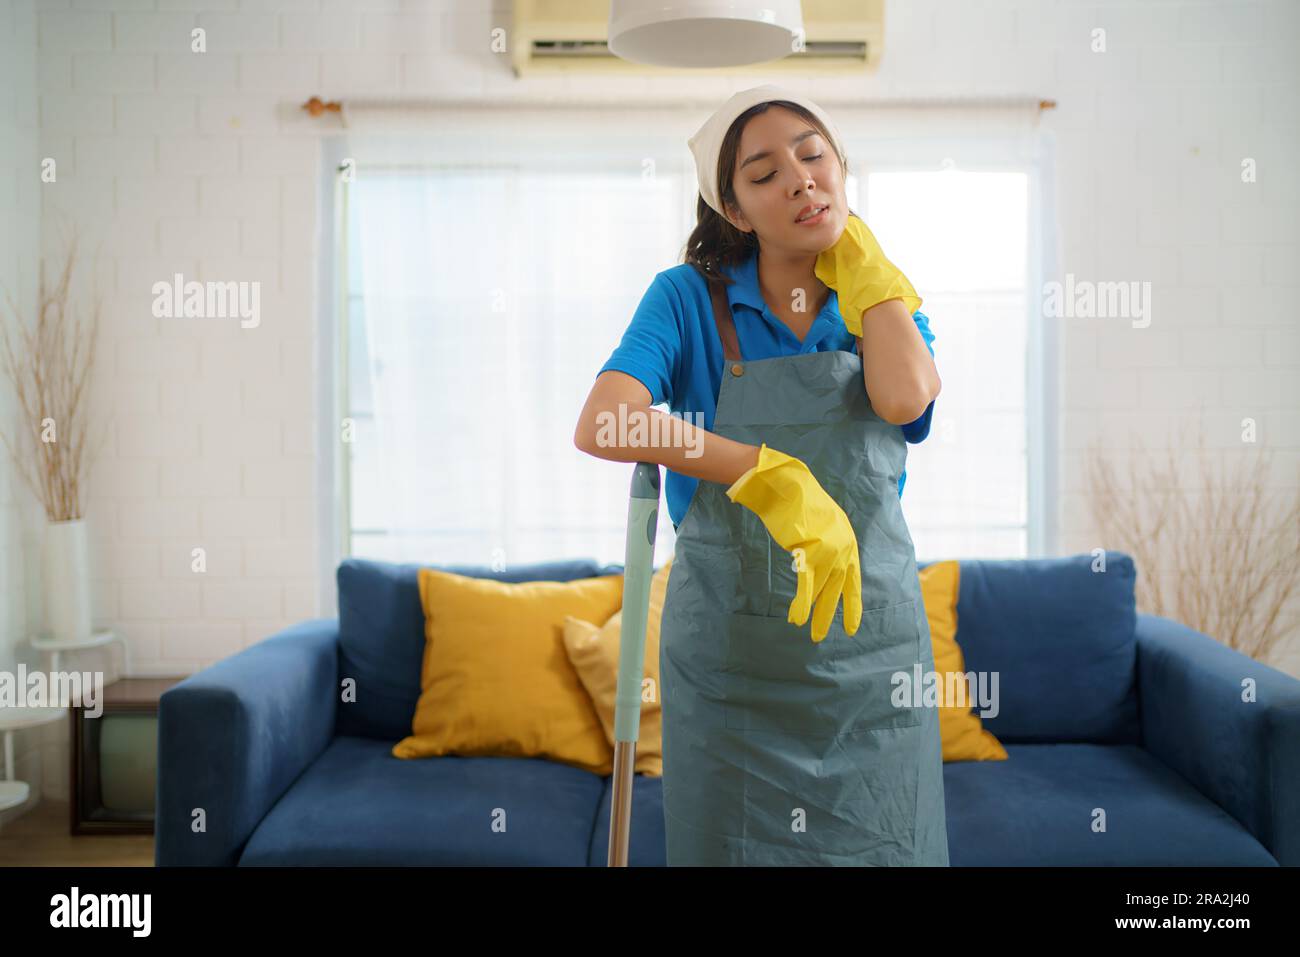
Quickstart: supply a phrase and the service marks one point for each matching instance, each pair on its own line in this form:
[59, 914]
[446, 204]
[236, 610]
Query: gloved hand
[799, 514]
[856, 268]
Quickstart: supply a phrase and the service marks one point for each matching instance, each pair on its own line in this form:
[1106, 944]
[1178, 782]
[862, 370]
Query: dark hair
[714, 242]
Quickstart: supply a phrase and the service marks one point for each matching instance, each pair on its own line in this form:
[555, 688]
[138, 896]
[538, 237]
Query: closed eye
[807, 159]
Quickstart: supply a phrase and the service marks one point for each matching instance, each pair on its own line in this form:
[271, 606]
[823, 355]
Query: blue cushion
[360, 806]
[1063, 641]
[381, 635]
[647, 844]
[1037, 808]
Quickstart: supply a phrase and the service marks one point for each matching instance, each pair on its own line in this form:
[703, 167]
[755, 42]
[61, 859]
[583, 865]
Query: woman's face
[784, 165]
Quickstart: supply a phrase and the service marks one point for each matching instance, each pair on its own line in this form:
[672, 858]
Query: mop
[638, 567]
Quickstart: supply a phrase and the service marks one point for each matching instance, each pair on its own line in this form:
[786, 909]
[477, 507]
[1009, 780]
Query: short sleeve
[916, 430]
[651, 347]
[923, 327]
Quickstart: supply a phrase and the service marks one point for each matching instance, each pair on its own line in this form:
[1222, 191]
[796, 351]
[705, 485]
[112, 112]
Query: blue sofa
[1107, 715]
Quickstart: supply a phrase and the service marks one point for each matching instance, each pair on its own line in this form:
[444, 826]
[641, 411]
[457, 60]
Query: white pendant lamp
[703, 33]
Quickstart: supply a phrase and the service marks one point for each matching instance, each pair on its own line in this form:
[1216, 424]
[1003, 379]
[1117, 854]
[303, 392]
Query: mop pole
[638, 567]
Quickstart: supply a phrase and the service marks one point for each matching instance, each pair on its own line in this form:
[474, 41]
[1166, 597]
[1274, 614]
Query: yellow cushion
[960, 729]
[496, 679]
[593, 651]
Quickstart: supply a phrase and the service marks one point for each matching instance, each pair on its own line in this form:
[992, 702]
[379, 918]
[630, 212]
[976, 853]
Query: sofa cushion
[1063, 641]
[381, 635]
[357, 805]
[497, 680]
[1038, 808]
[961, 732]
[594, 651]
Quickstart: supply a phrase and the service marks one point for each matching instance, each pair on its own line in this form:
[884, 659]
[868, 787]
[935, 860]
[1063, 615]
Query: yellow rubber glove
[807, 522]
[856, 268]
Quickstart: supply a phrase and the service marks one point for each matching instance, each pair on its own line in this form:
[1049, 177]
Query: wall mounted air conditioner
[550, 36]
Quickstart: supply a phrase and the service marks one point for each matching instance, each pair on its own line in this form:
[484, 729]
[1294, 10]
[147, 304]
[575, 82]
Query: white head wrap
[706, 144]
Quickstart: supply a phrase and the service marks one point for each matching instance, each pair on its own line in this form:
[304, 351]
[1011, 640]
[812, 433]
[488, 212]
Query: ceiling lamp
[703, 33]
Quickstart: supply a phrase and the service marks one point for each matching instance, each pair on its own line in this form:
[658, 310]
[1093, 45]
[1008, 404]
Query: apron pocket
[778, 679]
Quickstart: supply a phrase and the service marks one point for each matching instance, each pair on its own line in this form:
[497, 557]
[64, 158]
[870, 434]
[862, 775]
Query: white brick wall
[19, 248]
[177, 161]
[199, 163]
[1198, 87]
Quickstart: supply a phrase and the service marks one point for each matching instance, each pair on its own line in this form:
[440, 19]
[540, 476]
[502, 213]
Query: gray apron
[778, 750]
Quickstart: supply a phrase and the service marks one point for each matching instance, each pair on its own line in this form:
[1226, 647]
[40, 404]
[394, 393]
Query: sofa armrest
[1243, 755]
[232, 738]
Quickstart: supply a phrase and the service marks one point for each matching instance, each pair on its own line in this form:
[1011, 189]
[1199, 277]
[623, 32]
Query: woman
[799, 344]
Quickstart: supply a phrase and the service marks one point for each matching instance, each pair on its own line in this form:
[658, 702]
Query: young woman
[799, 345]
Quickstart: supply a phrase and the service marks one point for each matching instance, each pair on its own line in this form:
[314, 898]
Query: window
[962, 238]
[485, 291]
[481, 306]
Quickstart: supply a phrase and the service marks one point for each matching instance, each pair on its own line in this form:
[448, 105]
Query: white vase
[65, 566]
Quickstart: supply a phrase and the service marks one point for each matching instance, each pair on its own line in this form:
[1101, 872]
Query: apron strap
[725, 323]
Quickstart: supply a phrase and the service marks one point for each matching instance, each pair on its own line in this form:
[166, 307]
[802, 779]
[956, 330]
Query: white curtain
[497, 269]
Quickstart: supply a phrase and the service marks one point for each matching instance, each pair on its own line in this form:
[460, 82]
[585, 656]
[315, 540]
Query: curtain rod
[317, 107]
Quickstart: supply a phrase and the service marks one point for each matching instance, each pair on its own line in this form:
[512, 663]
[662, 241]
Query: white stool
[14, 792]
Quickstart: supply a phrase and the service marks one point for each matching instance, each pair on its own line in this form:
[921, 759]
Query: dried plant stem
[1231, 549]
[51, 368]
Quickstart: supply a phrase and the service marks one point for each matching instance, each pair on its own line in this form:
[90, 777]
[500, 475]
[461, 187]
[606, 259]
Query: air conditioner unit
[551, 36]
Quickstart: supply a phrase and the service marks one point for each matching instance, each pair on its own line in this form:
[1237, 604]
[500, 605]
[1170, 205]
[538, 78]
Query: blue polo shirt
[672, 347]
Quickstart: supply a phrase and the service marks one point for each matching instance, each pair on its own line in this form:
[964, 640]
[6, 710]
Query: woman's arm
[695, 451]
[897, 368]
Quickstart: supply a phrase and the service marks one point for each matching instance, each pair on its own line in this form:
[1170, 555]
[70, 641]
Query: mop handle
[642, 520]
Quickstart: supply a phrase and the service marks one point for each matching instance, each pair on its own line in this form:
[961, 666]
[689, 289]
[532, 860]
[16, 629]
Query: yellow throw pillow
[593, 651]
[496, 679]
[960, 729]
